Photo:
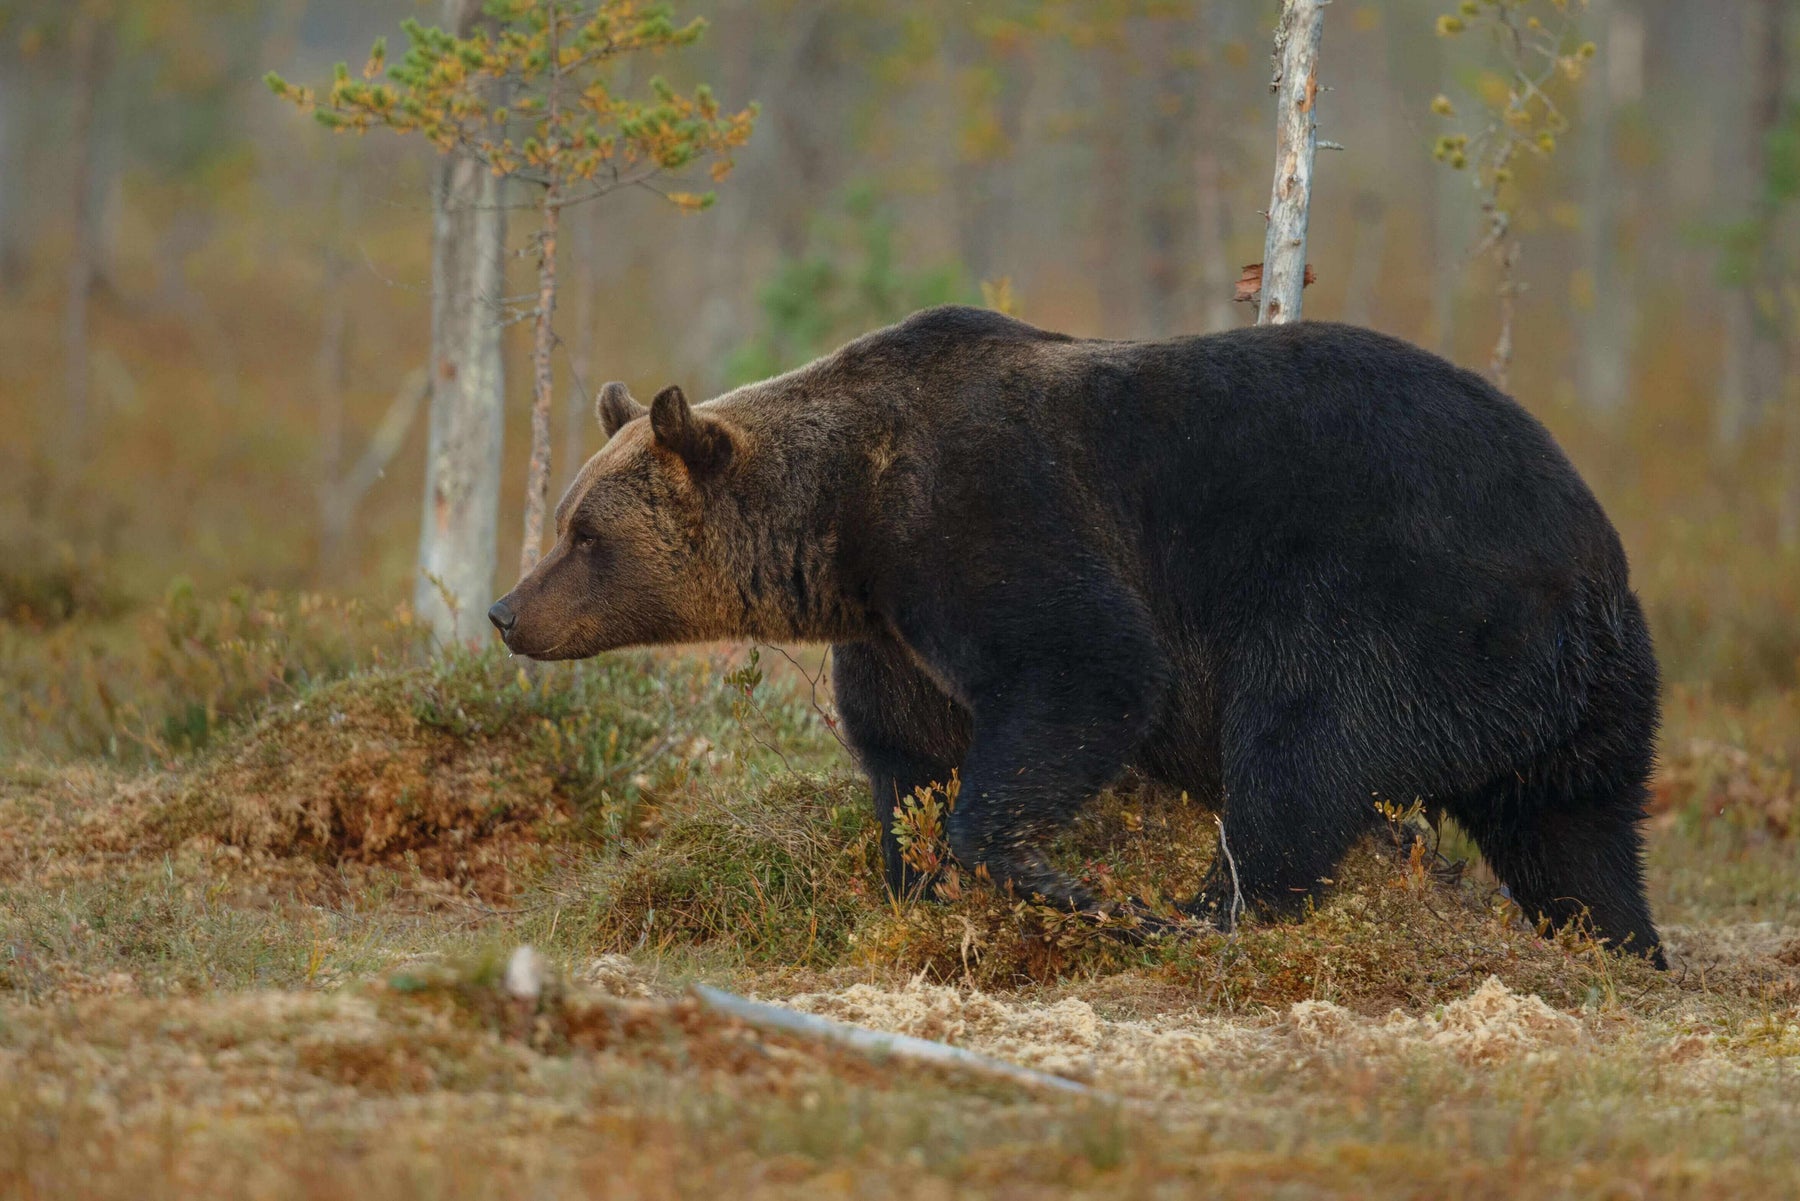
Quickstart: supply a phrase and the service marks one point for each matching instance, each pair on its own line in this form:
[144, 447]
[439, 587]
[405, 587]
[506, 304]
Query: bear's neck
[799, 512]
[796, 593]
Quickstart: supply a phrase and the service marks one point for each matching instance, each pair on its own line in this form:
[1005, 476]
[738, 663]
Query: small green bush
[782, 874]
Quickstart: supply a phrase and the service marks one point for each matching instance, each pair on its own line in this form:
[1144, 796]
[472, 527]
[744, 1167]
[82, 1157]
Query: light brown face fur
[630, 564]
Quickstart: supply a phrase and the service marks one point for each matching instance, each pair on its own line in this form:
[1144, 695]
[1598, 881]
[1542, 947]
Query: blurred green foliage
[1025, 129]
[1746, 243]
[849, 281]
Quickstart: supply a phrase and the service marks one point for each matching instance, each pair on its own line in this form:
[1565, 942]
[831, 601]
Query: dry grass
[272, 968]
[150, 684]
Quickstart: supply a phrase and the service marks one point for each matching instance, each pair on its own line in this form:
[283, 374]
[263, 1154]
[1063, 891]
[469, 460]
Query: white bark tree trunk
[1363, 280]
[578, 410]
[1787, 504]
[1211, 248]
[1162, 207]
[13, 122]
[1210, 239]
[90, 45]
[543, 341]
[543, 385]
[331, 378]
[1752, 371]
[1296, 141]
[720, 321]
[344, 491]
[457, 536]
[1605, 333]
[983, 189]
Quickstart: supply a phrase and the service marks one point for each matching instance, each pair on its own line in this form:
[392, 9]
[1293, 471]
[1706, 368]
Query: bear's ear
[702, 440]
[614, 407]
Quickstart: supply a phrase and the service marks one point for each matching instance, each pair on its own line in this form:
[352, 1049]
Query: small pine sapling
[530, 93]
[1512, 118]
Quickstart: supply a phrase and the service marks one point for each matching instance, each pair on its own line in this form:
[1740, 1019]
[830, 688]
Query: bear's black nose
[503, 618]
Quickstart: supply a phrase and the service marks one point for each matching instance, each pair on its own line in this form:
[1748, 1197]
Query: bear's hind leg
[1567, 857]
[1564, 831]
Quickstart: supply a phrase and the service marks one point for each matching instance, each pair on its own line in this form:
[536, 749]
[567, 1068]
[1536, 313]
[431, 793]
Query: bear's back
[1308, 436]
[1315, 438]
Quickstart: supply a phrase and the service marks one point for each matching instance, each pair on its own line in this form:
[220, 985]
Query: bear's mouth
[549, 654]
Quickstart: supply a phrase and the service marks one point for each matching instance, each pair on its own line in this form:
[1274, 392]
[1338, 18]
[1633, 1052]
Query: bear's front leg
[1029, 772]
[905, 732]
[1057, 715]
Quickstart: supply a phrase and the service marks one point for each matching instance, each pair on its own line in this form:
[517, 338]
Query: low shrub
[460, 768]
[781, 874]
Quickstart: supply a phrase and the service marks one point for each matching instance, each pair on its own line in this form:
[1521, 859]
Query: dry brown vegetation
[274, 967]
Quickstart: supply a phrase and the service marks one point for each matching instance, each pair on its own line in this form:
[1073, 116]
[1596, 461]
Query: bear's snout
[503, 617]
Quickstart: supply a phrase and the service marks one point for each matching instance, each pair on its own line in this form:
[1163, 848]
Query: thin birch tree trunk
[90, 41]
[1161, 207]
[13, 122]
[1779, 381]
[1209, 234]
[1115, 269]
[1787, 505]
[458, 532]
[1296, 85]
[719, 321]
[1366, 256]
[331, 377]
[543, 343]
[983, 187]
[1751, 376]
[537, 477]
[1605, 331]
[578, 410]
[1215, 269]
[346, 490]
[1370, 209]
[806, 77]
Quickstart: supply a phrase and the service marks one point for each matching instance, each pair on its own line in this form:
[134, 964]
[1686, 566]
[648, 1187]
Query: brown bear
[1297, 569]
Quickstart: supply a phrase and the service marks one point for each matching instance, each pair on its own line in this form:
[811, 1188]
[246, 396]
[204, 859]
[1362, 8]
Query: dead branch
[880, 1043]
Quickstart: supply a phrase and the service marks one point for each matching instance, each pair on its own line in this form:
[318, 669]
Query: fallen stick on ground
[880, 1042]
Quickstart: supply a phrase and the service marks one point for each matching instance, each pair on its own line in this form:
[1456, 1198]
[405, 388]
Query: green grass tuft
[783, 874]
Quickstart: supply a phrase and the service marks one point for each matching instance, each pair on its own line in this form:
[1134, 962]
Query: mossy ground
[271, 967]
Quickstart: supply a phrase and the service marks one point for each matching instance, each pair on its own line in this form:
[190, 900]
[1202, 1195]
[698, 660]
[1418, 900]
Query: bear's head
[634, 562]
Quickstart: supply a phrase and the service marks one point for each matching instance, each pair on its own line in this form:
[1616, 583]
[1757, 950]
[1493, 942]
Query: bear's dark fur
[1302, 568]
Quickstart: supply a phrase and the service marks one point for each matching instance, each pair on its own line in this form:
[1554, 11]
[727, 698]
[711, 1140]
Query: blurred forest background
[215, 315]
[300, 897]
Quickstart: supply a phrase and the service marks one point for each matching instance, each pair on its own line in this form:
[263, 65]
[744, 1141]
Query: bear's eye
[584, 542]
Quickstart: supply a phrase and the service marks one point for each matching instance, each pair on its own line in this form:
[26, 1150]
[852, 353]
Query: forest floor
[276, 966]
